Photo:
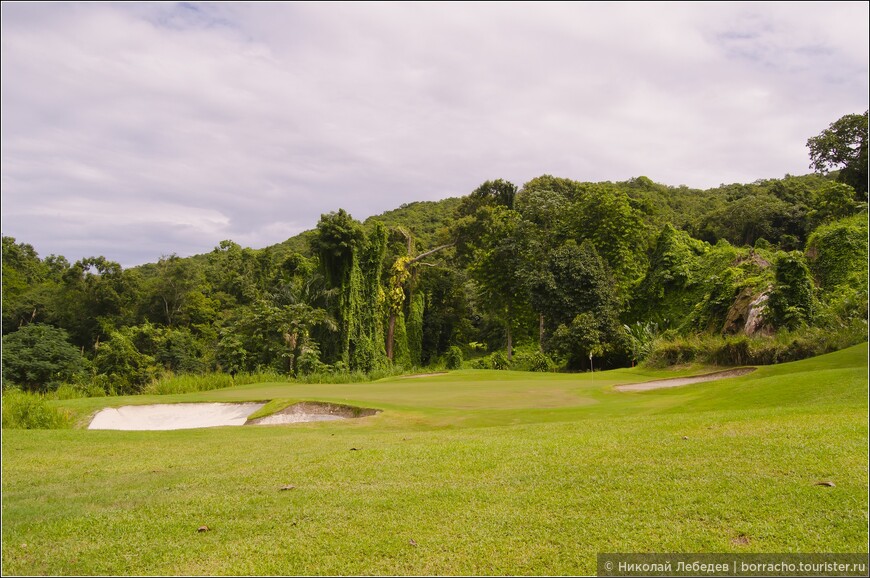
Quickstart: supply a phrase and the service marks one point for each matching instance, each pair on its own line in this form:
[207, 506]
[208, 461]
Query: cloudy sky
[139, 130]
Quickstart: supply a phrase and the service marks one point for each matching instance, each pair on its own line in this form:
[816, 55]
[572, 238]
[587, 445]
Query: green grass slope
[471, 472]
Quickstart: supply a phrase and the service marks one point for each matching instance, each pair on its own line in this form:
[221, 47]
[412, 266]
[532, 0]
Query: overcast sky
[139, 130]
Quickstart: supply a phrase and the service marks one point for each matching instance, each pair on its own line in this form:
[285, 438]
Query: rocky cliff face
[745, 315]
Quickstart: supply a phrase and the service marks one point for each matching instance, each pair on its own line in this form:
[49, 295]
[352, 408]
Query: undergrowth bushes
[189, 383]
[525, 358]
[24, 410]
[742, 350]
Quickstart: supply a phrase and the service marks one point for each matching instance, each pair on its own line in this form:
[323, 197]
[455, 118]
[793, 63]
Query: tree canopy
[562, 272]
[843, 146]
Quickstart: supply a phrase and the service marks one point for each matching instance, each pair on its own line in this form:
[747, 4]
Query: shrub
[672, 352]
[534, 360]
[641, 338]
[733, 351]
[498, 360]
[309, 361]
[25, 410]
[453, 357]
[129, 369]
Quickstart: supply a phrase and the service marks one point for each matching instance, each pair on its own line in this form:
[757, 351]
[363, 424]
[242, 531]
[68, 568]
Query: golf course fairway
[469, 472]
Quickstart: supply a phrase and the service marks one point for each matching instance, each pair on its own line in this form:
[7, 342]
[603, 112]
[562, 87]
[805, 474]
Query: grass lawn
[473, 472]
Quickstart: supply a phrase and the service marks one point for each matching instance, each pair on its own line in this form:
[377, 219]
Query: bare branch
[429, 252]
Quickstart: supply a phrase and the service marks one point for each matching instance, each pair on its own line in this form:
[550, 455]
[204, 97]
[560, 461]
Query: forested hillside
[555, 274]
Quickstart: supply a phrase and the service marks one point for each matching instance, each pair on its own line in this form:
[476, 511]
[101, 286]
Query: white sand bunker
[167, 416]
[677, 381]
[308, 411]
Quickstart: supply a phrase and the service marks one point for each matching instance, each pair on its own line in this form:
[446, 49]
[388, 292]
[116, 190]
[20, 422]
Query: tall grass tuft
[23, 410]
[351, 376]
[190, 383]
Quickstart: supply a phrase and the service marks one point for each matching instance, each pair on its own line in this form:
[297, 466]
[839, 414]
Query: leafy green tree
[756, 216]
[448, 316]
[295, 323]
[833, 201]
[572, 290]
[96, 297]
[566, 189]
[338, 235]
[178, 350]
[543, 204]
[40, 357]
[127, 368]
[177, 280]
[573, 280]
[29, 285]
[497, 193]
[604, 215]
[843, 145]
[231, 352]
[22, 268]
[580, 339]
[493, 252]
[233, 272]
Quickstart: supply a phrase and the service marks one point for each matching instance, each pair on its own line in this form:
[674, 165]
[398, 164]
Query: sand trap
[169, 416]
[416, 375]
[677, 381]
[308, 411]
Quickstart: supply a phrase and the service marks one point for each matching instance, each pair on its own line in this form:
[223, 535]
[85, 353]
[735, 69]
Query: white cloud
[145, 129]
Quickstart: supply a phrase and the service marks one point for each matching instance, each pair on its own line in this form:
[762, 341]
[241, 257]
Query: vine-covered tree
[791, 301]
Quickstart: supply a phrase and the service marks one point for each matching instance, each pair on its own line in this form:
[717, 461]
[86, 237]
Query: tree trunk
[541, 331]
[510, 343]
[391, 329]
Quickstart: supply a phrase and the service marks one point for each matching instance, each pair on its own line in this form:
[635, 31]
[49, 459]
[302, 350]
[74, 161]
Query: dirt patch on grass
[678, 381]
[308, 411]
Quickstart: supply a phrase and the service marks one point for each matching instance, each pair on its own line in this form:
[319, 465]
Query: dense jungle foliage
[555, 274]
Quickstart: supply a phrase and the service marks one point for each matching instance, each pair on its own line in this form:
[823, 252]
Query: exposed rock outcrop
[745, 315]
